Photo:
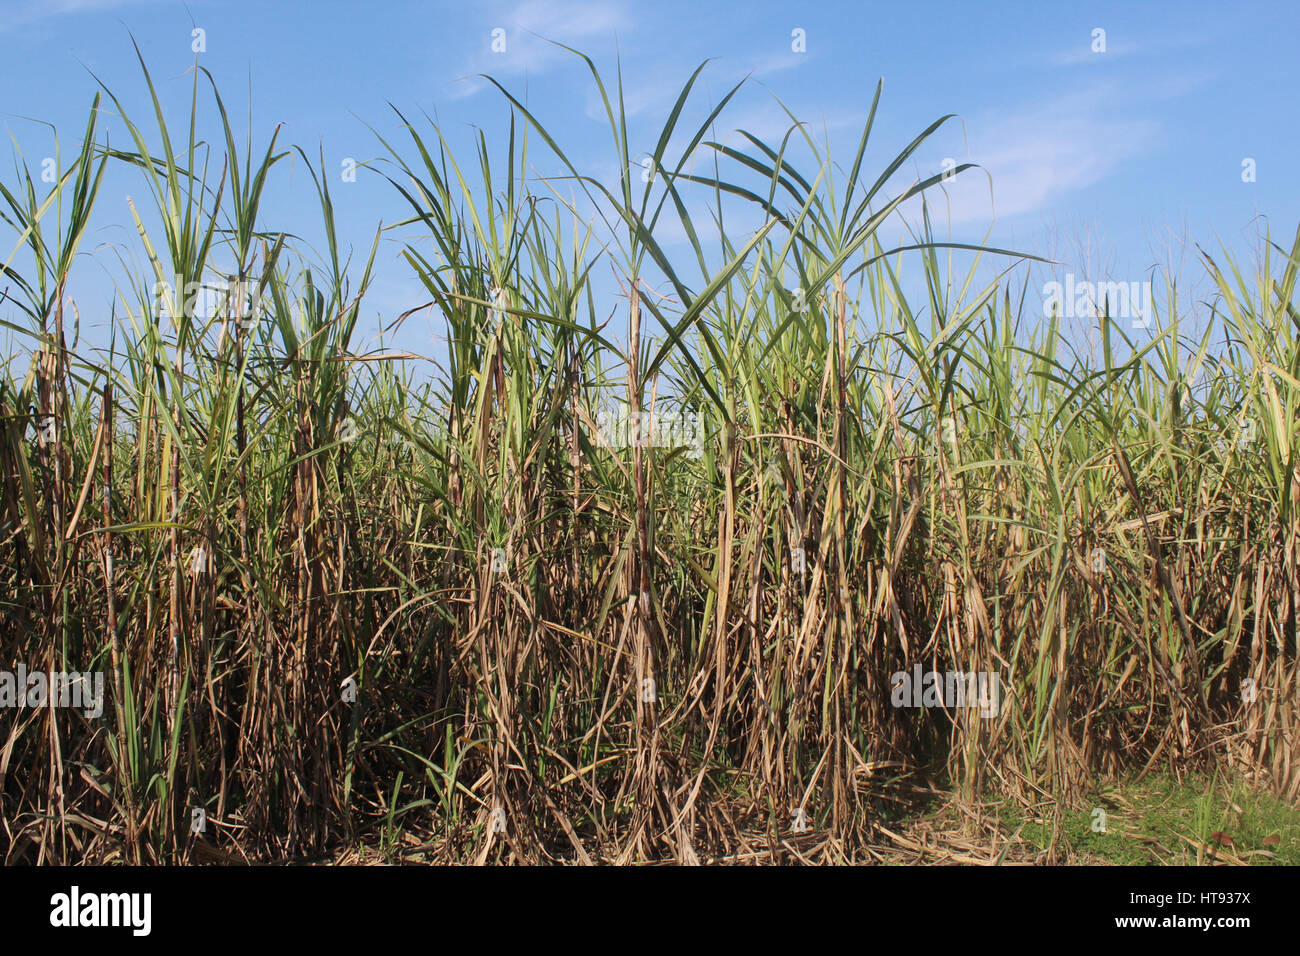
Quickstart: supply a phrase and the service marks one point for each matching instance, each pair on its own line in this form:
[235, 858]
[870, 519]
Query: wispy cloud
[1120, 44]
[527, 29]
[1085, 54]
[24, 12]
[1038, 155]
[770, 63]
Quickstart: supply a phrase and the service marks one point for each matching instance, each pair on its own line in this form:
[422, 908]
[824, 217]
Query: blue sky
[1108, 160]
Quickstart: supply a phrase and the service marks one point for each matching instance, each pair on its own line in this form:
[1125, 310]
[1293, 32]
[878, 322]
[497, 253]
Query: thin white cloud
[775, 63]
[1084, 54]
[1119, 45]
[529, 28]
[568, 18]
[24, 12]
[1038, 156]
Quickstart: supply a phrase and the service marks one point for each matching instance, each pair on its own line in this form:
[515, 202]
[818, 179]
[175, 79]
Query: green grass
[1165, 820]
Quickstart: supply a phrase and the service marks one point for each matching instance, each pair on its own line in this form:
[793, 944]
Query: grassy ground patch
[1168, 820]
